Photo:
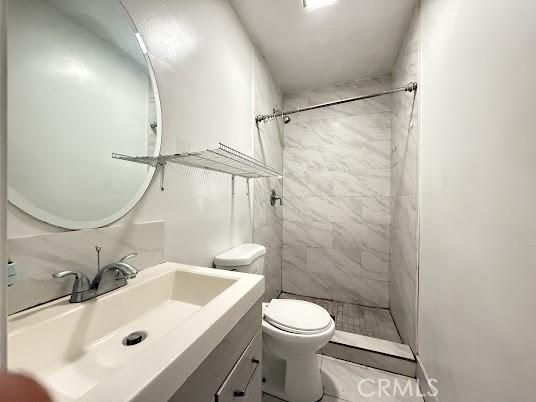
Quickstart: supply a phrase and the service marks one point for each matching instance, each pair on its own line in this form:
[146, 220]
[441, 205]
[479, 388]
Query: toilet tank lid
[244, 254]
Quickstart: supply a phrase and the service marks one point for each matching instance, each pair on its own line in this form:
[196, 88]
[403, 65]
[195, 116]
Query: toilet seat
[297, 316]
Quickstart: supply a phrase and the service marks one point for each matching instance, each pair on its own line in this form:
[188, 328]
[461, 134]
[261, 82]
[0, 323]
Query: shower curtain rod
[411, 87]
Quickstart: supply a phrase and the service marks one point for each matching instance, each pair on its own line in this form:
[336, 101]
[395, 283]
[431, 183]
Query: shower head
[286, 119]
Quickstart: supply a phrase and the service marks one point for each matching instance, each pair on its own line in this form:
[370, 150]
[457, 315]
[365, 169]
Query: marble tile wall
[268, 143]
[341, 381]
[351, 318]
[403, 272]
[336, 195]
[38, 257]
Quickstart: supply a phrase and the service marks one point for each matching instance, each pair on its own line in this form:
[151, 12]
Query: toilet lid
[297, 316]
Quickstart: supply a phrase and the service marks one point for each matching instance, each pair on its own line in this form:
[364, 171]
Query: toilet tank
[248, 258]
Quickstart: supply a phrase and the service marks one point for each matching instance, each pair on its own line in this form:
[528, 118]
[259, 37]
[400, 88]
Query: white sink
[76, 350]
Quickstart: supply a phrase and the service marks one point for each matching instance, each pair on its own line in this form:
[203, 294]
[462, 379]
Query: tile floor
[356, 319]
[341, 384]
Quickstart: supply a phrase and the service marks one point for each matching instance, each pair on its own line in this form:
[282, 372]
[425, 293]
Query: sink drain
[134, 338]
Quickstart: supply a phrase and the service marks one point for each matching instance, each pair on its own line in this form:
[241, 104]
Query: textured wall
[206, 90]
[3, 184]
[404, 184]
[336, 195]
[206, 94]
[38, 257]
[268, 142]
[477, 189]
[39, 36]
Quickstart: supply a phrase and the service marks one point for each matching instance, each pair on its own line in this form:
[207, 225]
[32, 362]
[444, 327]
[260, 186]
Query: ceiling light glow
[315, 4]
[141, 43]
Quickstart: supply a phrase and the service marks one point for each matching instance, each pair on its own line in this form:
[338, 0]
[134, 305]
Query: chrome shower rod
[411, 87]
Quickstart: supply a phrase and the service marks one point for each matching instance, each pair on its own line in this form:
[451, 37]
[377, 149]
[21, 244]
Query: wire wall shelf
[222, 159]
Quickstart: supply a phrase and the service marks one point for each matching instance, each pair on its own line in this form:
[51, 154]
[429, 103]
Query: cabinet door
[244, 383]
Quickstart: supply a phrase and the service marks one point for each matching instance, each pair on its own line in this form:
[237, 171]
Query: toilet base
[295, 380]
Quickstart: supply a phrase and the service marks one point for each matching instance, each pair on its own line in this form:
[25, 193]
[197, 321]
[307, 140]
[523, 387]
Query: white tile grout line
[338, 398]
[349, 363]
[322, 357]
[345, 305]
[344, 362]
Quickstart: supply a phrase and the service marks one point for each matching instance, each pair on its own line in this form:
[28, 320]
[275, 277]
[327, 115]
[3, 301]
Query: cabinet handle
[242, 392]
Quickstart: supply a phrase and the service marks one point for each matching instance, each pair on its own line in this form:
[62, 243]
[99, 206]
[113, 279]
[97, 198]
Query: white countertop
[153, 374]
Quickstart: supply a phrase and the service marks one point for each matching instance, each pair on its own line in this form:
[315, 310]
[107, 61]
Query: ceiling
[349, 40]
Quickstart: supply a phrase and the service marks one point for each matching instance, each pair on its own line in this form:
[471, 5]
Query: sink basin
[77, 350]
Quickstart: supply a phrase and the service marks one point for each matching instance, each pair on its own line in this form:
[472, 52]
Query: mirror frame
[24, 205]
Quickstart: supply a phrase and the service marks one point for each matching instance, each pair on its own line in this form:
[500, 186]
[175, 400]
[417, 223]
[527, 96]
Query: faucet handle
[63, 274]
[81, 282]
[128, 256]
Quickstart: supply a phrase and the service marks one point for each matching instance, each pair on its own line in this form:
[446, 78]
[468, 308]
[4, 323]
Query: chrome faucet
[81, 288]
[108, 278]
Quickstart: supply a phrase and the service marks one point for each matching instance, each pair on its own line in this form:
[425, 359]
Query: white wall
[477, 270]
[203, 62]
[3, 188]
[403, 250]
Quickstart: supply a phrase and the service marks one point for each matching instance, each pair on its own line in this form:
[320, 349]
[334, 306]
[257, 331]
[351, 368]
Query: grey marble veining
[364, 335]
[403, 290]
[405, 214]
[308, 182]
[341, 380]
[325, 398]
[404, 190]
[370, 237]
[340, 91]
[268, 148]
[294, 257]
[362, 183]
[404, 177]
[352, 158]
[323, 209]
[302, 282]
[312, 234]
[370, 359]
[315, 135]
[303, 159]
[356, 130]
[336, 211]
[38, 257]
[375, 265]
[327, 260]
[337, 286]
[376, 210]
[391, 347]
[359, 326]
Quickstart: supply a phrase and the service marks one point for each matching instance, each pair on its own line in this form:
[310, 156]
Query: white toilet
[292, 332]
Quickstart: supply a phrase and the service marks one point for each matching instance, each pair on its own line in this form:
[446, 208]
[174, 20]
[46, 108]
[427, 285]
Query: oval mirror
[80, 87]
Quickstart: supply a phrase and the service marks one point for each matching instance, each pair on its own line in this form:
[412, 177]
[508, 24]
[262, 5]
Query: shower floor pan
[364, 335]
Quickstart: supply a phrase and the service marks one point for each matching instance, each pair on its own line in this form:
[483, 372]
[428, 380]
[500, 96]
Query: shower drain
[134, 338]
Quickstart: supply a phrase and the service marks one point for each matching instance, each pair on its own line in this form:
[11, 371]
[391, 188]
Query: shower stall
[349, 239]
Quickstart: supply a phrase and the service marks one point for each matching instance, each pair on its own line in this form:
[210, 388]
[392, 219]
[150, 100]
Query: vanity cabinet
[244, 383]
[232, 372]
